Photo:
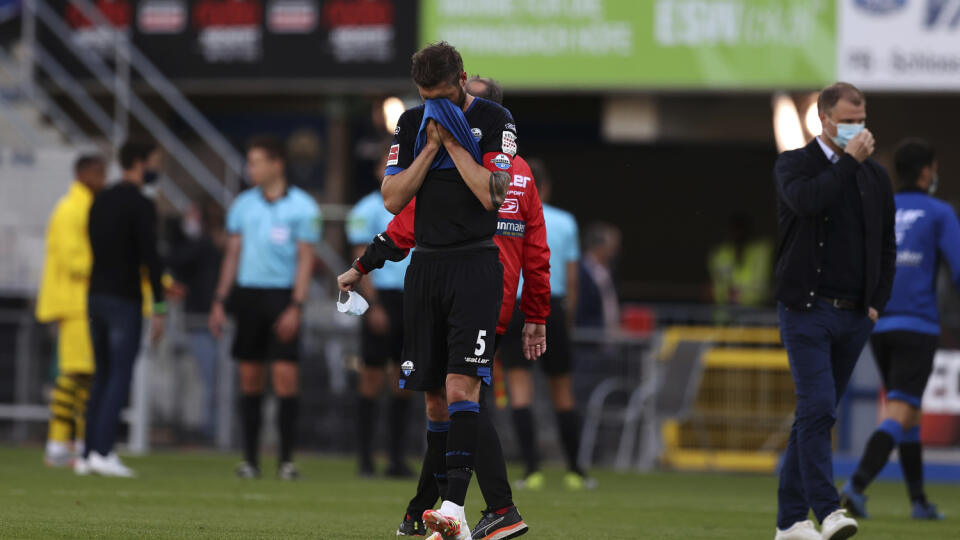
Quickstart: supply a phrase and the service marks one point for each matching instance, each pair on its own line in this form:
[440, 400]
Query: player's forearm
[301, 283]
[228, 271]
[365, 286]
[490, 188]
[398, 189]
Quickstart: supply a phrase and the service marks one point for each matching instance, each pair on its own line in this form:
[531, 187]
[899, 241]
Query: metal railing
[42, 100]
[623, 382]
[128, 60]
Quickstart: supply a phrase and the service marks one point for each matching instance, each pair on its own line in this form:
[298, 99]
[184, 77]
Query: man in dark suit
[597, 305]
[835, 263]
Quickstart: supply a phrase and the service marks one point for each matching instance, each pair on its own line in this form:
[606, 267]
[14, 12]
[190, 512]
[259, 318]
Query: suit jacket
[807, 184]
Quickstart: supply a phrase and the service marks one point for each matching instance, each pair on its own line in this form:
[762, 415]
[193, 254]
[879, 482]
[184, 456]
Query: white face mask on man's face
[845, 132]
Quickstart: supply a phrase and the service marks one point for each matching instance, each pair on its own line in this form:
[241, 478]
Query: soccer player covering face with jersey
[454, 285]
[522, 241]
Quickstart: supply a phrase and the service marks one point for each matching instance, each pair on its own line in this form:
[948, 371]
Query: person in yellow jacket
[740, 267]
[62, 299]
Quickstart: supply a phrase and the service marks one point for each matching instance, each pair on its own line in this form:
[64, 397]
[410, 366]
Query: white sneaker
[109, 466]
[450, 521]
[801, 530]
[837, 526]
[81, 467]
[57, 454]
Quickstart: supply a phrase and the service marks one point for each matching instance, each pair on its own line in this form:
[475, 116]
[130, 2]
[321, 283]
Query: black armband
[381, 250]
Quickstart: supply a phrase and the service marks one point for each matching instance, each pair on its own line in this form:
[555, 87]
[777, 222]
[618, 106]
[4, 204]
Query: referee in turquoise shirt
[381, 339]
[273, 228]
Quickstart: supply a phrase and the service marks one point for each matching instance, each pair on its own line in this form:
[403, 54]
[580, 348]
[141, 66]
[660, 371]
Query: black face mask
[150, 177]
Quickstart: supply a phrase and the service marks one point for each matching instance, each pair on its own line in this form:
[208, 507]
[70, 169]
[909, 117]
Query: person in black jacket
[194, 261]
[598, 305]
[123, 239]
[835, 263]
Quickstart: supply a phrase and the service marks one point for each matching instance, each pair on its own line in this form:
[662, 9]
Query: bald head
[486, 88]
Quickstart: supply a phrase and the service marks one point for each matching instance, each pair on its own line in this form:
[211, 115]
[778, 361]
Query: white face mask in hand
[355, 304]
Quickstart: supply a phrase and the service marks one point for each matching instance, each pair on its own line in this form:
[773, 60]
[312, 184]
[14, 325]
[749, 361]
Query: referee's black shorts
[905, 361]
[557, 360]
[256, 312]
[451, 303]
[378, 349]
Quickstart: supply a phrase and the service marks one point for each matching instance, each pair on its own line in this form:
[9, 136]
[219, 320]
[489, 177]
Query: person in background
[563, 239]
[597, 303]
[740, 267]
[305, 167]
[272, 232]
[836, 256]
[123, 239]
[62, 299]
[907, 334]
[381, 337]
[195, 263]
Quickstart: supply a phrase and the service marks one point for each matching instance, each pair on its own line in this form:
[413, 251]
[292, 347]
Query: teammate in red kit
[521, 239]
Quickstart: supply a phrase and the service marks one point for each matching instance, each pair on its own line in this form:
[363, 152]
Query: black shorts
[905, 361]
[256, 311]
[557, 360]
[451, 303]
[377, 349]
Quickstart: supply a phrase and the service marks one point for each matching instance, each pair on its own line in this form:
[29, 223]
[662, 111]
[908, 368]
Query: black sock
[287, 414]
[251, 412]
[461, 449]
[569, 424]
[433, 474]
[875, 456]
[911, 461]
[526, 438]
[366, 425]
[399, 413]
[490, 465]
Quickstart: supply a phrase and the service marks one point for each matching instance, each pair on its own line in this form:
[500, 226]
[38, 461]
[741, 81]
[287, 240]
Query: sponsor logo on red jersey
[510, 206]
[514, 228]
[394, 157]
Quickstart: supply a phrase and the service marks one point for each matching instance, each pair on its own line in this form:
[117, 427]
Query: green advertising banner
[610, 44]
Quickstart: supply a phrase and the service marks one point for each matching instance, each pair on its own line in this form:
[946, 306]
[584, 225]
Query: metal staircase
[38, 139]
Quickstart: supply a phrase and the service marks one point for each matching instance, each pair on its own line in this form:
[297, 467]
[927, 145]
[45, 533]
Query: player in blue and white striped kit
[906, 335]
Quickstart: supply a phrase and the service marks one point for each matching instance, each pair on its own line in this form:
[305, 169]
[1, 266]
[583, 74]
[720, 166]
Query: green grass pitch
[196, 496]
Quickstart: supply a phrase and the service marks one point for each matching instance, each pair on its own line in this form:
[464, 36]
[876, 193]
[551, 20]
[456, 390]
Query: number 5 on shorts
[481, 343]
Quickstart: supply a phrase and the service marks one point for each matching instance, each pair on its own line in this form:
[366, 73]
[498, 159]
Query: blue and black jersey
[927, 231]
[448, 214]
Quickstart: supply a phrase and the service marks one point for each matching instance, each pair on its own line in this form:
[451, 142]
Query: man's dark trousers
[823, 345]
[115, 329]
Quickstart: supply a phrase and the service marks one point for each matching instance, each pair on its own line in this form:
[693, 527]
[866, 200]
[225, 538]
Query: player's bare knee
[562, 401]
[462, 388]
[436, 406]
[285, 379]
[252, 378]
[520, 385]
[903, 413]
[561, 392]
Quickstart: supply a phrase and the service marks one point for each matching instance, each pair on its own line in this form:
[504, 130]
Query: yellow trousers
[68, 406]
